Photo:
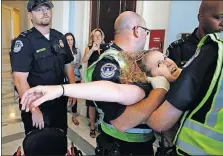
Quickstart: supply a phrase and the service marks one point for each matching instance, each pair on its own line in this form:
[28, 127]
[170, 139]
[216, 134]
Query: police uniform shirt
[107, 69]
[191, 86]
[44, 59]
[182, 50]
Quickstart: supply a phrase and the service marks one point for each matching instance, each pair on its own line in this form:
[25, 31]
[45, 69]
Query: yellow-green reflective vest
[133, 134]
[195, 138]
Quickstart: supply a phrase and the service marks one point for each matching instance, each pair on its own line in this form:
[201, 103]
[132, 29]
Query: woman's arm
[105, 91]
[97, 91]
[87, 55]
[79, 57]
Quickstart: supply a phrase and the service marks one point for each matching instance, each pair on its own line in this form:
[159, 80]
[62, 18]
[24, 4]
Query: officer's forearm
[69, 73]
[20, 81]
[164, 118]
[139, 112]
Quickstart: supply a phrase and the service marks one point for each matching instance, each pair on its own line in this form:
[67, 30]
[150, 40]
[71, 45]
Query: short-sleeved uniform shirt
[107, 69]
[192, 85]
[44, 59]
[182, 50]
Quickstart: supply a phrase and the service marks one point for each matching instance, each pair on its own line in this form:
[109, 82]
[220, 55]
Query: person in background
[91, 54]
[76, 63]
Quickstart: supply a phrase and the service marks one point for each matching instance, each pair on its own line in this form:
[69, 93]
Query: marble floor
[13, 132]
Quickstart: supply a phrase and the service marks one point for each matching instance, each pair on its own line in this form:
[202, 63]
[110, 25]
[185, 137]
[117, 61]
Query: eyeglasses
[146, 29]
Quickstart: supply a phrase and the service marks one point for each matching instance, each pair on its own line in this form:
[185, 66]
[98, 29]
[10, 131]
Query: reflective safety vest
[193, 137]
[131, 135]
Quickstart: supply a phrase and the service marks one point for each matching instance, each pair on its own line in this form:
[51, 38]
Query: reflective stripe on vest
[204, 139]
[132, 130]
[128, 137]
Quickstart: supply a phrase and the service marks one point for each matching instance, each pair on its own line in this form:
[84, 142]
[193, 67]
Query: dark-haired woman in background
[77, 65]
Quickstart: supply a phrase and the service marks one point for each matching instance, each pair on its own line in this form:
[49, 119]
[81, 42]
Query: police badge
[61, 43]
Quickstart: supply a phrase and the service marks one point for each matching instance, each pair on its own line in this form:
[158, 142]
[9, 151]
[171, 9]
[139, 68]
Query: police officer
[130, 36]
[41, 56]
[182, 50]
[197, 95]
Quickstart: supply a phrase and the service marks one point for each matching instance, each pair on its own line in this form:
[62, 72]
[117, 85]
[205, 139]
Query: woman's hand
[37, 95]
[95, 47]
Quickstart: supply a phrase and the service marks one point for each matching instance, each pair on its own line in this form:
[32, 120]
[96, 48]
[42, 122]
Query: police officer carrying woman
[41, 56]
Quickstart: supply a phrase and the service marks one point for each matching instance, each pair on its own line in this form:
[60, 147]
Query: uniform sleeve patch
[18, 46]
[108, 70]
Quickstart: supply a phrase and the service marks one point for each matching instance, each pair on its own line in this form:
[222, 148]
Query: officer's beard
[45, 21]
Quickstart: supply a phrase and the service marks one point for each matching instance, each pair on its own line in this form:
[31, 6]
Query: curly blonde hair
[132, 72]
[135, 70]
[91, 37]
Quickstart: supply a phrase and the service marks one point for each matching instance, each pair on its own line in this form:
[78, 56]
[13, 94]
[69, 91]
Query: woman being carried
[152, 63]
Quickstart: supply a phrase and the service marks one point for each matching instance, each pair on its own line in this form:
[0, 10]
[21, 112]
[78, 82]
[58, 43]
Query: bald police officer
[41, 56]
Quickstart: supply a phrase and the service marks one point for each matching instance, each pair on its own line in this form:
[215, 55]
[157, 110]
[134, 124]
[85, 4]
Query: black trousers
[125, 148]
[54, 115]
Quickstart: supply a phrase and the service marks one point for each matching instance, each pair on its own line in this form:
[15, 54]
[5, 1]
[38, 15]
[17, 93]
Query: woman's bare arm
[97, 91]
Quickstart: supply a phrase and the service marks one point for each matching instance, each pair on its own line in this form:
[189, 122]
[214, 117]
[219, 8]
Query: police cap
[32, 4]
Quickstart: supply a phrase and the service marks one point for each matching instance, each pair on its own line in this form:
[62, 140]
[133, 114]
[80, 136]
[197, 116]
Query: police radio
[55, 48]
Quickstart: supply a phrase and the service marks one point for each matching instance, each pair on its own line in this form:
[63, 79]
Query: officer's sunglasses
[146, 29]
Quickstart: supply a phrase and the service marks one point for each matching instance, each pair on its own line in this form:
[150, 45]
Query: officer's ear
[30, 16]
[200, 18]
[136, 31]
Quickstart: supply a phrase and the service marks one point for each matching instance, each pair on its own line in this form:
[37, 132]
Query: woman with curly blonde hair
[91, 54]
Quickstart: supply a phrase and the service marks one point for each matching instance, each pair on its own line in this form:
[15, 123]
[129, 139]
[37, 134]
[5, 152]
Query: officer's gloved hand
[159, 82]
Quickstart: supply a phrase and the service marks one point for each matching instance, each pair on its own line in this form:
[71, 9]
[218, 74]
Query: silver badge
[18, 46]
[108, 70]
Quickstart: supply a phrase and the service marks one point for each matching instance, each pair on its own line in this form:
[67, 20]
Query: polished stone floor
[13, 132]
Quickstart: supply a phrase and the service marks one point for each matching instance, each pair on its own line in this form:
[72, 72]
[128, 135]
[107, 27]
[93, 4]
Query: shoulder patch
[178, 42]
[108, 70]
[18, 45]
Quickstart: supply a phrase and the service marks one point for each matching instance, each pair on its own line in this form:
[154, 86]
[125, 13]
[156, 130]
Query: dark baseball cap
[32, 4]
[46, 141]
